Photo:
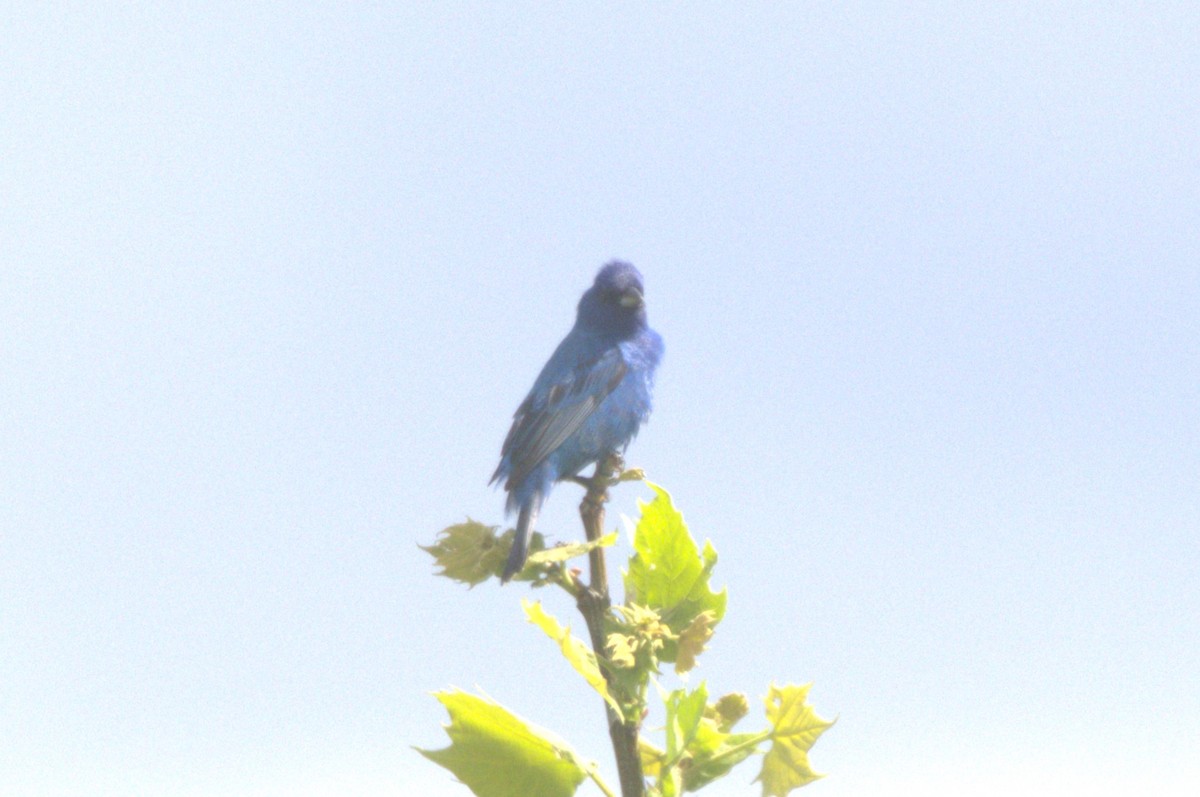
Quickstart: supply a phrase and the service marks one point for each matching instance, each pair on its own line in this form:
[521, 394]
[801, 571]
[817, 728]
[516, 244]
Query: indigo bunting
[588, 401]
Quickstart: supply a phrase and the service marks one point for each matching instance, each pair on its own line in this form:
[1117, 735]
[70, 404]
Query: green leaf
[684, 712]
[573, 650]
[468, 552]
[698, 751]
[668, 572]
[670, 783]
[497, 754]
[692, 641]
[715, 752]
[652, 758]
[794, 729]
[561, 553]
[471, 552]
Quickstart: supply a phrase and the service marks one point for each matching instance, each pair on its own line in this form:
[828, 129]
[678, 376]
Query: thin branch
[594, 603]
[599, 781]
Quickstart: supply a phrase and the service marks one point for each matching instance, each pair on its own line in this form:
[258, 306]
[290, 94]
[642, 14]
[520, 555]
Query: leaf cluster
[669, 616]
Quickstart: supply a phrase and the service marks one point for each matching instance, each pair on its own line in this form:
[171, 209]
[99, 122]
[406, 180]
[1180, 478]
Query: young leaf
[705, 751]
[622, 650]
[715, 752]
[497, 754]
[573, 650]
[728, 710]
[684, 712]
[652, 758]
[692, 641]
[794, 729]
[467, 552]
[472, 553]
[668, 572]
[561, 553]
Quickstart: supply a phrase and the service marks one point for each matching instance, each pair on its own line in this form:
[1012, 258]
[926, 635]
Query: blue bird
[588, 401]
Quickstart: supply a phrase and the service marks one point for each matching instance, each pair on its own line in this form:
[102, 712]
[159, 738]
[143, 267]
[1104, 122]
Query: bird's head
[615, 304]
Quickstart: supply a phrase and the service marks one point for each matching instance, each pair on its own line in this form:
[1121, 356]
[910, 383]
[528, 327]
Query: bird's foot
[611, 471]
[595, 484]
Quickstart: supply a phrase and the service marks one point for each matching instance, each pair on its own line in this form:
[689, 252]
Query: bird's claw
[608, 473]
[615, 463]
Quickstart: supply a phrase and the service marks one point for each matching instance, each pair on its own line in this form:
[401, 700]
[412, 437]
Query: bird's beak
[632, 298]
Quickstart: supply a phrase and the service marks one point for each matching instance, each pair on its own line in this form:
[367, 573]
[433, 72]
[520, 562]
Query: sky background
[273, 279]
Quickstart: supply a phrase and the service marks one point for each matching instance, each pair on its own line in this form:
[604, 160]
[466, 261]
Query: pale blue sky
[273, 280]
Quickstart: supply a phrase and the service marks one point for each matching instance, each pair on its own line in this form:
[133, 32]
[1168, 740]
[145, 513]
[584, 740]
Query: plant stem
[594, 603]
[599, 781]
[754, 741]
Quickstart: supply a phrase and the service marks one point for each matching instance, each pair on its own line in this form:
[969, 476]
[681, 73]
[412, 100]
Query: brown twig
[594, 603]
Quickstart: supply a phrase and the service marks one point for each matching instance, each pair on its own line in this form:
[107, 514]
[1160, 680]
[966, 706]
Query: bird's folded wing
[548, 417]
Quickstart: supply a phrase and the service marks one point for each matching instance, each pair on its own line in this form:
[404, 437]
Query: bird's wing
[548, 417]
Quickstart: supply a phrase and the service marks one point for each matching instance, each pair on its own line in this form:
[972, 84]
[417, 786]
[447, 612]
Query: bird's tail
[520, 546]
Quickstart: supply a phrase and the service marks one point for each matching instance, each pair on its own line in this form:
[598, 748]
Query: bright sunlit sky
[273, 279]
